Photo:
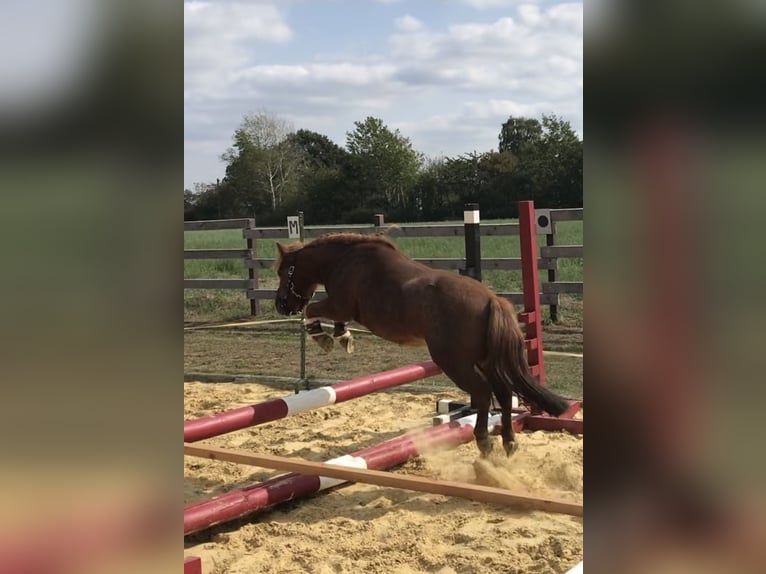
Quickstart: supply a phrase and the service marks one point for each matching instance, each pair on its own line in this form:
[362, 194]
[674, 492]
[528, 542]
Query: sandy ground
[362, 528]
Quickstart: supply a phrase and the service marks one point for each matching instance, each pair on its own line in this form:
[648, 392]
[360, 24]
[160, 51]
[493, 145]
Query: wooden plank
[309, 232]
[404, 230]
[260, 263]
[562, 251]
[216, 253]
[475, 492]
[218, 224]
[313, 232]
[450, 230]
[217, 284]
[265, 233]
[272, 293]
[563, 287]
[505, 263]
[575, 214]
[499, 229]
[516, 298]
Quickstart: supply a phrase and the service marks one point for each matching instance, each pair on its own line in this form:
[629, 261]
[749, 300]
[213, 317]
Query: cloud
[218, 37]
[488, 4]
[538, 53]
[447, 87]
[408, 23]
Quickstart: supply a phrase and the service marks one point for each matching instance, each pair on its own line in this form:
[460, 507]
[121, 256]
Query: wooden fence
[549, 254]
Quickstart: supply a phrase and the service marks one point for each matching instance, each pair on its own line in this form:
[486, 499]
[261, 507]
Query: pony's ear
[281, 248]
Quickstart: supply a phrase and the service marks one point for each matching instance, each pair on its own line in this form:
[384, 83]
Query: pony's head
[293, 293]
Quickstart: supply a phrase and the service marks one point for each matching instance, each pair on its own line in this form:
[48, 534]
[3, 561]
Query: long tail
[506, 362]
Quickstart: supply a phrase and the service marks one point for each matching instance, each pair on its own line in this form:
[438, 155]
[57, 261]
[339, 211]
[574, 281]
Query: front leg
[343, 335]
[314, 329]
[326, 309]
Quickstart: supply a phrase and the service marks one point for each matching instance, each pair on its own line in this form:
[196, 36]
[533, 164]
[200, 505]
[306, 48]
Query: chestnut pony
[471, 333]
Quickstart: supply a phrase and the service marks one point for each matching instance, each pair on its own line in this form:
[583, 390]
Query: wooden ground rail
[475, 492]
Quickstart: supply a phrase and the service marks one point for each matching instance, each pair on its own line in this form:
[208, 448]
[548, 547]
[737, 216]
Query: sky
[445, 73]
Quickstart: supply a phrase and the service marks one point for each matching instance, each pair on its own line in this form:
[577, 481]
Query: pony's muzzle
[283, 307]
[281, 304]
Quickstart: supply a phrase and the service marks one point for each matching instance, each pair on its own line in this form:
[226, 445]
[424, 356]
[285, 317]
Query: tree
[188, 203]
[263, 161]
[383, 163]
[317, 150]
[560, 152]
[519, 135]
[432, 198]
[322, 190]
[549, 155]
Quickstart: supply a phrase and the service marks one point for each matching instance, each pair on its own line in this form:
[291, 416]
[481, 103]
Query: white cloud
[235, 20]
[487, 4]
[316, 74]
[408, 23]
[538, 54]
[530, 14]
[217, 37]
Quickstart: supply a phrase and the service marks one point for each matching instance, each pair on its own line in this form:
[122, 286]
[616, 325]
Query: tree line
[273, 170]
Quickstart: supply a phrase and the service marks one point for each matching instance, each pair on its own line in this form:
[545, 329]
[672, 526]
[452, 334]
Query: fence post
[252, 272]
[550, 240]
[471, 219]
[531, 281]
[303, 379]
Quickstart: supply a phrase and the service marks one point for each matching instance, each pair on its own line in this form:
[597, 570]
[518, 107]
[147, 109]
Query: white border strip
[471, 216]
[346, 460]
[309, 400]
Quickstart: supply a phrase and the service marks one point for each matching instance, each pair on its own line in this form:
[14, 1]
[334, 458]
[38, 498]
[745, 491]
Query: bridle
[291, 285]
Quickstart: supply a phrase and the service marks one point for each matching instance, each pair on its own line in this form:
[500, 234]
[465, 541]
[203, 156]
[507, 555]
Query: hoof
[347, 342]
[510, 448]
[324, 341]
[485, 447]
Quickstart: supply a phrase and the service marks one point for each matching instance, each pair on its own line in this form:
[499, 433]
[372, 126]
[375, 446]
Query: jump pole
[242, 502]
[274, 409]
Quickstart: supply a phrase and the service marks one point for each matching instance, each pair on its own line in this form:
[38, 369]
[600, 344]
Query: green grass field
[212, 305]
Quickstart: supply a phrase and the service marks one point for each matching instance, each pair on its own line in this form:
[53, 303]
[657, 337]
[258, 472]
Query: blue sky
[446, 73]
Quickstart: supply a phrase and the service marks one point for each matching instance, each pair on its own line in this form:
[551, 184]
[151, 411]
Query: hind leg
[481, 401]
[506, 403]
[472, 382]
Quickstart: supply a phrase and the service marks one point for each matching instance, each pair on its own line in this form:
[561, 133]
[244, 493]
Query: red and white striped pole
[241, 502]
[243, 417]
